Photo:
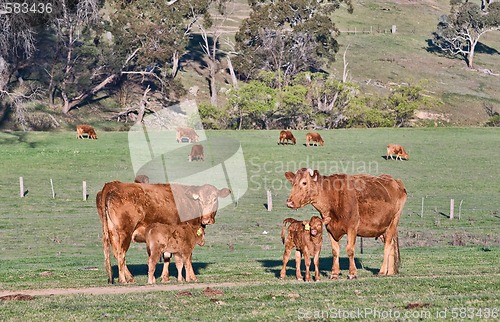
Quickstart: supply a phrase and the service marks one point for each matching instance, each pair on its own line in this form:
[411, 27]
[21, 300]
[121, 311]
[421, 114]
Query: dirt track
[119, 289]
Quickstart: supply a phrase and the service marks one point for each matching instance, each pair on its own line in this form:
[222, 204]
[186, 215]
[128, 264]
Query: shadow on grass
[389, 158]
[16, 138]
[142, 269]
[325, 266]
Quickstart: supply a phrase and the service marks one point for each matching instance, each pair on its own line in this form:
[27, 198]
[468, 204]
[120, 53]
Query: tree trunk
[175, 64]
[213, 86]
[71, 104]
[142, 105]
[470, 56]
[234, 80]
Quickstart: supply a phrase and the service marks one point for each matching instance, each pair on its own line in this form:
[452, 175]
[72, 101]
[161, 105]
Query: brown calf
[306, 237]
[85, 129]
[197, 153]
[396, 149]
[173, 239]
[186, 132]
[286, 135]
[314, 137]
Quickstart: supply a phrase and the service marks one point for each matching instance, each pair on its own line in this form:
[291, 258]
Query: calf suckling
[168, 240]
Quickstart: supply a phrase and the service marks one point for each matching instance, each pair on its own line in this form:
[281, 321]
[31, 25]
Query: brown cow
[141, 178]
[85, 129]
[186, 132]
[178, 240]
[314, 137]
[358, 205]
[396, 149]
[126, 209]
[197, 153]
[288, 136]
[306, 237]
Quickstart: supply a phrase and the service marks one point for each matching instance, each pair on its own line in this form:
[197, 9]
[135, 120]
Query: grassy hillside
[378, 57]
[56, 243]
[382, 57]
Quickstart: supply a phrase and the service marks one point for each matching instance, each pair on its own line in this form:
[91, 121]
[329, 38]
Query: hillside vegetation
[382, 45]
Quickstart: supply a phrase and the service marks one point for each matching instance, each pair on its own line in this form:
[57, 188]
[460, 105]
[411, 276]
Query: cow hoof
[352, 277]
[334, 277]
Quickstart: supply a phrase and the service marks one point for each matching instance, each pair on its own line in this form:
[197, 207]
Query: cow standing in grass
[396, 149]
[127, 209]
[196, 153]
[314, 137]
[85, 129]
[357, 205]
[307, 238]
[286, 136]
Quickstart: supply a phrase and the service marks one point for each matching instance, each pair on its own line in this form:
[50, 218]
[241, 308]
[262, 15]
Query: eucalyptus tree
[459, 32]
[287, 37]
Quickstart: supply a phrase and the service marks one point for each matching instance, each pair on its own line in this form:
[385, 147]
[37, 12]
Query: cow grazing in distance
[286, 136]
[396, 149]
[186, 132]
[314, 137]
[307, 238]
[358, 205]
[82, 129]
[197, 153]
[126, 209]
[178, 240]
[141, 178]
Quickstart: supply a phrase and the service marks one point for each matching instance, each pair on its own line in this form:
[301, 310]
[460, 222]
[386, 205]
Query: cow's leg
[121, 243]
[188, 265]
[152, 260]
[165, 275]
[336, 262]
[307, 261]
[179, 264]
[286, 257]
[351, 244]
[316, 266]
[390, 249]
[298, 258]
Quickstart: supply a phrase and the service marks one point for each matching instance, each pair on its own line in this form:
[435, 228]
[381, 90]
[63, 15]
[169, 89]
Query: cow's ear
[290, 176]
[315, 175]
[193, 193]
[327, 220]
[223, 193]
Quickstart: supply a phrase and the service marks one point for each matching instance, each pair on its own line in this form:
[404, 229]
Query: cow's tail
[283, 227]
[397, 257]
[102, 209]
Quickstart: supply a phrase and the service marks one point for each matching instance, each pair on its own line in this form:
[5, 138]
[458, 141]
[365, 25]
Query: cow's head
[207, 198]
[200, 236]
[293, 140]
[304, 187]
[315, 225]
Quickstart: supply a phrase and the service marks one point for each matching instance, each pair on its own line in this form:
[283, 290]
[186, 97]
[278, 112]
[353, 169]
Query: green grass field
[448, 266]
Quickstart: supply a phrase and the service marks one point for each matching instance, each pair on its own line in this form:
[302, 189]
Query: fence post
[361, 244]
[452, 208]
[84, 184]
[422, 211]
[460, 209]
[269, 200]
[21, 187]
[52, 187]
